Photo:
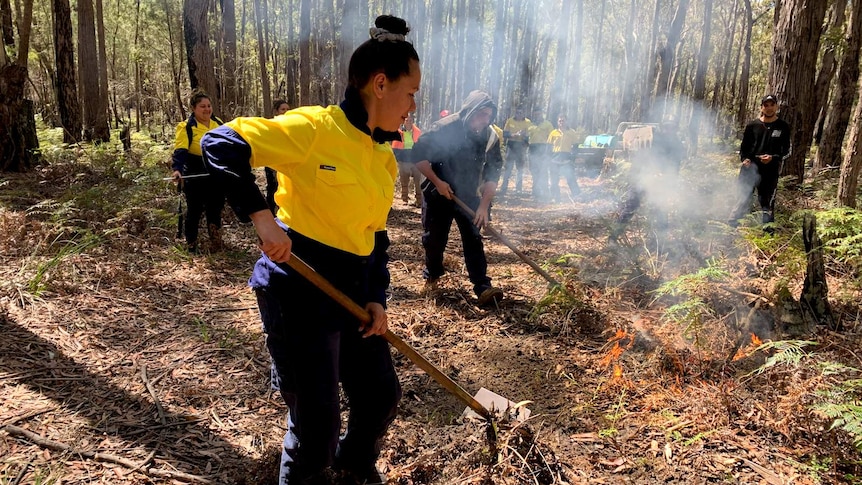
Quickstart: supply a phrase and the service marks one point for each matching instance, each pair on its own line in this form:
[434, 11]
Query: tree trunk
[829, 151]
[852, 164]
[667, 56]
[102, 128]
[598, 46]
[305, 51]
[828, 65]
[198, 52]
[815, 292]
[18, 141]
[175, 69]
[88, 68]
[6, 24]
[66, 84]
[745, 72]
[262, 48]
[630, 71]
[229, 103]
[494, 81]
[794, 62]
[291, 66]
[573, 91]
[700, 77]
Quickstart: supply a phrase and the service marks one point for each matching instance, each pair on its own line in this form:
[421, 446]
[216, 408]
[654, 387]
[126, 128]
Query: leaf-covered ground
[125, 360]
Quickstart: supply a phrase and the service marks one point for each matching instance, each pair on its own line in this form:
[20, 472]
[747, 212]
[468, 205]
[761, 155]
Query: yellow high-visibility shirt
[181, 141]
[540, 133]
[514, 126]
[562, 141]
[335, 184]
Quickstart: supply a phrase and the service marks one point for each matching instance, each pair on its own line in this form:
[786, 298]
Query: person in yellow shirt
[336, 181]
[515, 137]
[540, 152]
[402, 148]
[562, 141]
[202, 195]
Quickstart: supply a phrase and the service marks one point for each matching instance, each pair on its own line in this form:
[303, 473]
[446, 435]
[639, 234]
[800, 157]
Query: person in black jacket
[460, 155]
[765, 146]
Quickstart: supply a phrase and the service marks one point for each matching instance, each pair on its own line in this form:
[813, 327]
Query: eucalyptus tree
[64, 67]
[17, 127]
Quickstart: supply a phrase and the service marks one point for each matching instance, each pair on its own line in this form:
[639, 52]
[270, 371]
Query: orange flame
[749, 349]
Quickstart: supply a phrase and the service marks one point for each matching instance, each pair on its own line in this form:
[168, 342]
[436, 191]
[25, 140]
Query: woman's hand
[379, 323]
[177, 175]
[273, 241]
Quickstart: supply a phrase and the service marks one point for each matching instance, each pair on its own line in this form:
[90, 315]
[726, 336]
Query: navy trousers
[315, 344]
[437, 216]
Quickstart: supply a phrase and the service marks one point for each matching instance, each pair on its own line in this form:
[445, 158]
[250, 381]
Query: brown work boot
[216, 243]
[489, 296]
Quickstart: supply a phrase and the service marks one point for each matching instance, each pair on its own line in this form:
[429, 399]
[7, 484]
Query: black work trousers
[751, 179]
[516, 157]
[437, 216]
[203, 196]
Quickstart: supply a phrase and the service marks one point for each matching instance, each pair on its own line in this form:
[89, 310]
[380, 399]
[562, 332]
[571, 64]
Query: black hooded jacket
[464, 159]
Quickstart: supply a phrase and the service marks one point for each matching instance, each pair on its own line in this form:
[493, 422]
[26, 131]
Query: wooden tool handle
[360, 313]
[509, 244]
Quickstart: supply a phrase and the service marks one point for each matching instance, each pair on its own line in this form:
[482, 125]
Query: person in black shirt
[765, 146]
[460, 155]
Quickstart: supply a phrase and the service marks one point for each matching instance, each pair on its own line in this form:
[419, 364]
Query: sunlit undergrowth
[82, 200]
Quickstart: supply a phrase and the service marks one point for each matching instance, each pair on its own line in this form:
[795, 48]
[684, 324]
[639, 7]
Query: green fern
[788, 353]
[842, 403]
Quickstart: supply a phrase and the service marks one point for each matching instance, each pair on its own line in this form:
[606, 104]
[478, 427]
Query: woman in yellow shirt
[202, 195]
[336, 179]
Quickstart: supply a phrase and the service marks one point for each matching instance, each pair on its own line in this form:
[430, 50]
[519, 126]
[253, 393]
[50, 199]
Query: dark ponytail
[386, 51]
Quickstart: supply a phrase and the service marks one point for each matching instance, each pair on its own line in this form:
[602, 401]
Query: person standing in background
[765, 145]
[279, 107]
[563, 140]
[515, 137]
[410, 134]
[540, 151]
[203, 194]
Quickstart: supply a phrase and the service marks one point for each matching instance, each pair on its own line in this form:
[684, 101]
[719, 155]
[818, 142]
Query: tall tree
[848, 182]
[828, 66]
[17, 126]
[305, 51]
[66, 83]
[667, 57]
[228, 28]
[793, 64]
[102, 126]
[829, 150]
[199, 55]
[95, 123]
[262, 48]
[700, 76]
[745, 72]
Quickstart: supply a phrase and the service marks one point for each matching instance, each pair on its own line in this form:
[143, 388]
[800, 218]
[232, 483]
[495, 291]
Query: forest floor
[125, 360]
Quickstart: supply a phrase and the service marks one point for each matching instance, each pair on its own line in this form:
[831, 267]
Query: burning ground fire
[622, 341]
[749, 349]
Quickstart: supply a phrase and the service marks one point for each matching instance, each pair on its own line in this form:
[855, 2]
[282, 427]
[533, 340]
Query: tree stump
[815, 292]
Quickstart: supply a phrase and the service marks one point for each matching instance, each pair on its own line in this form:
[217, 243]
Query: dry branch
[103, 457]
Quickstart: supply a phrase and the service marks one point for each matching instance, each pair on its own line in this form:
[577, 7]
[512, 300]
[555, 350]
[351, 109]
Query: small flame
[756, 341]
[618, 371]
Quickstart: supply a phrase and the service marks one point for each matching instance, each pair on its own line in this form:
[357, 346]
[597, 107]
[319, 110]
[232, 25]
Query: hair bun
[392, 24]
